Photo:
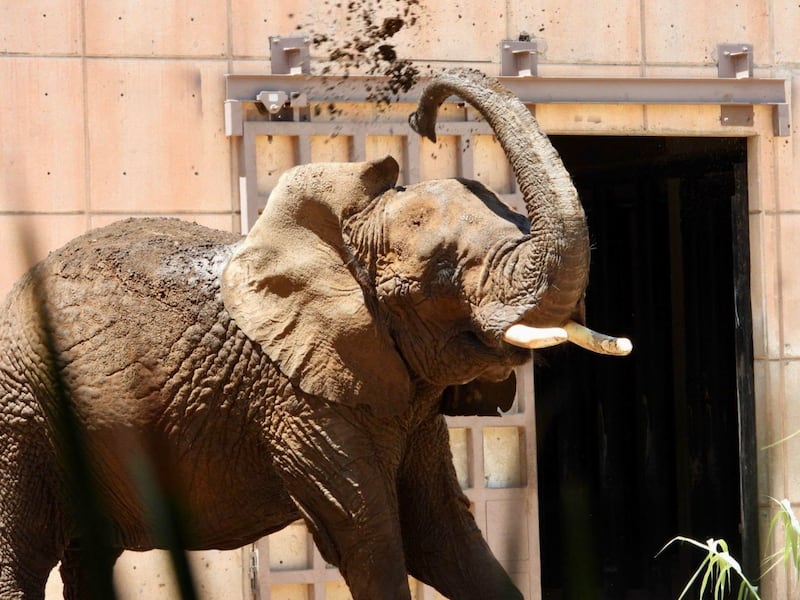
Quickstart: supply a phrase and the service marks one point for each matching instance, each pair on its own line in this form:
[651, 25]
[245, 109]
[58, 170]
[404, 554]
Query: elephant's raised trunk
[541, 280]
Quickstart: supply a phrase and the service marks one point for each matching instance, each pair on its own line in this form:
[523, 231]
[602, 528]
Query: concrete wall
[114, 108]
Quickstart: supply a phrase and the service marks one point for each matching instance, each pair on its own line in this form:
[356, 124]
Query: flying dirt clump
[362, 43]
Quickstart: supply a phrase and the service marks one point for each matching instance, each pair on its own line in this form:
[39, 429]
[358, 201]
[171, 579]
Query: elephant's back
[155, 367]
[167, 259]
[126, 305]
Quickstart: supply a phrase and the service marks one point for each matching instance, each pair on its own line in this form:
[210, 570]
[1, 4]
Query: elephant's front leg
[444, 546]
[340, 464]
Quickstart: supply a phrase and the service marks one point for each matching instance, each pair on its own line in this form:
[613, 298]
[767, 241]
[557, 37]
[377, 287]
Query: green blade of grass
[716, 567]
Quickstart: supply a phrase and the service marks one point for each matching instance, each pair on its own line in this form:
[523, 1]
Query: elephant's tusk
[534, 337]
[597, 342]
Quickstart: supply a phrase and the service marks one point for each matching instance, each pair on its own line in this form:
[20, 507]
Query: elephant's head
[359, 290]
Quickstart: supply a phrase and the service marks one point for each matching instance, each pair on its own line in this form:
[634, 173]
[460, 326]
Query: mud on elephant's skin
[298, 371]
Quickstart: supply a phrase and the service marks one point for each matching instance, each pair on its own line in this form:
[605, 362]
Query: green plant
[718, 564]
[717, 570]
[790, 553]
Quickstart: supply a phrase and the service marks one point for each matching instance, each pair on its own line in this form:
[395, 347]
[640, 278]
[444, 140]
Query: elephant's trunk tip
[423, 127]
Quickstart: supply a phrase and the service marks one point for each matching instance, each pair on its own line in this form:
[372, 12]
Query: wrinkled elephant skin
[297, 372]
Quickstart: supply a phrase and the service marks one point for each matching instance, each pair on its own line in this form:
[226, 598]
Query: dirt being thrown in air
[360, 41]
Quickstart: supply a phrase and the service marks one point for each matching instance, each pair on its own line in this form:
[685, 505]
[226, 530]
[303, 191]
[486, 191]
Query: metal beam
[532, 90]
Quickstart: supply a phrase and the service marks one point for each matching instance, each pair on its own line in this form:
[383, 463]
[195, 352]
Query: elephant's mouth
[525, 336]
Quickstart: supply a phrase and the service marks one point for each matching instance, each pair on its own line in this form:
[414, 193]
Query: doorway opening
[634, 451]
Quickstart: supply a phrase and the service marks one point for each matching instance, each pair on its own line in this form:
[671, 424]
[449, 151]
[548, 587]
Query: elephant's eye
[445, 274]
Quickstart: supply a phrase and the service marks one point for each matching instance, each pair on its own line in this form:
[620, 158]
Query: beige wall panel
[289, 591]
[274, 155]
[606, 119]
[773, 459]
[792, 382]
[337, 590]
[257, 66]
[54, 590]
[398, 112]
[765, 296]
[687, 31]
[772, 290]
[40, 26]
[290, 549]
[761, 380]
[449, 111]
[790, 286]
[575, 31]
[667, 119]
[378, 146]
[41, 135]
[588, 70]
[761, 173]
[156, 136]
[458, 30]
[504, 463]
[137, 575]
[25, 240]
[329, 148]
[786, 25]
[786, 170]
[460, 448]
[360, 113]
[217, 575]
[439, 160]
[491, 165]
[156, 28]
[763, 124]
[776, 583]
[254, 21]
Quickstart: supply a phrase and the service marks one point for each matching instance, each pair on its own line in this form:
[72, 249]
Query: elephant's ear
[290, 287]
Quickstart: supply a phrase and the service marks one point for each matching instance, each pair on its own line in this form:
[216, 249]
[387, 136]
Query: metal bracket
[735, 60]
[737, 115]
[519, 58]
[290, 55]
[252, 573]
[780, 119]
[234, 118]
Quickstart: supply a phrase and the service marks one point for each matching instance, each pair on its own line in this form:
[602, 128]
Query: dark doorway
[632, 452]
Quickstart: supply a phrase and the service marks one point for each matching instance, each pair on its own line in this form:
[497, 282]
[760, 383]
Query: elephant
[297, 372]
